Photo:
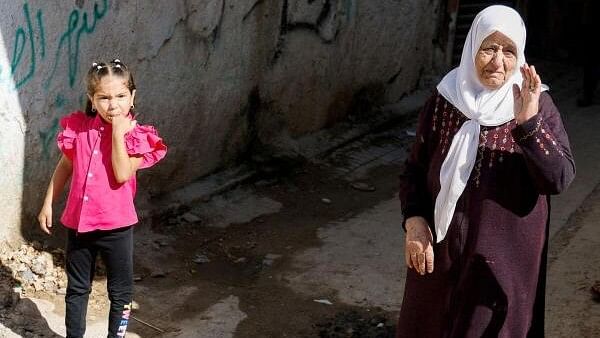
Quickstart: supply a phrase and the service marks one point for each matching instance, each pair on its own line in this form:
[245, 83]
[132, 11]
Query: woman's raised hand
[527, 97]
[419, 245]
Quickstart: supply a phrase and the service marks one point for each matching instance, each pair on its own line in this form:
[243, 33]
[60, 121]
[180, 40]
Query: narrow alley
[316, 249]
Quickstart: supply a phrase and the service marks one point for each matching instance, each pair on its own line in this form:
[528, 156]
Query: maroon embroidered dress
[489, 271]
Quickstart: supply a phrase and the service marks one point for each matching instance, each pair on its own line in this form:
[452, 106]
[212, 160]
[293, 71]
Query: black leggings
[116, 249]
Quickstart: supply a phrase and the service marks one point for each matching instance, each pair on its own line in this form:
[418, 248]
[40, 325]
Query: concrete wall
[216, 77]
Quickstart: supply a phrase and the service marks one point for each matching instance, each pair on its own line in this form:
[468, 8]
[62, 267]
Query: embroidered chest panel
[496, 143]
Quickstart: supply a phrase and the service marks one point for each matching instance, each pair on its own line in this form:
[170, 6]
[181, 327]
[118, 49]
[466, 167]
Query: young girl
[101, 149]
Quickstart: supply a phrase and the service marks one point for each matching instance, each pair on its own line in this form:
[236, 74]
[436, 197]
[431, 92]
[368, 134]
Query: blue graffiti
[47, 137]
[23, 36]
[350, 9]
[42, 35]
[60, 101]
[73, 46]
[78, 24]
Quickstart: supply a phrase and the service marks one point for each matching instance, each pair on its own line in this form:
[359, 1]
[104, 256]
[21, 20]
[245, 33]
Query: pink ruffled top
[96, 200]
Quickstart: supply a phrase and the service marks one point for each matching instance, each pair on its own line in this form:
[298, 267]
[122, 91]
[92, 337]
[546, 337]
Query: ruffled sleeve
[65, 139]
[144, 141]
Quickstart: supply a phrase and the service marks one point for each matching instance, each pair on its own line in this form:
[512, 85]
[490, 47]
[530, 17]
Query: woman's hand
[45, 218]
[122, 124]
[419, 245]
[528, 96]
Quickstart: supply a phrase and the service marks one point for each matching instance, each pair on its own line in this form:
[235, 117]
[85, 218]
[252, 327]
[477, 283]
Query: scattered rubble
[33, 269]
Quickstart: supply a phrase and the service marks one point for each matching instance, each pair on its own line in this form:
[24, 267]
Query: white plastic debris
[201, 259]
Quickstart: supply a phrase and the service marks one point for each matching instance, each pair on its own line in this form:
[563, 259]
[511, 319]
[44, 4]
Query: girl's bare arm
[60, 176]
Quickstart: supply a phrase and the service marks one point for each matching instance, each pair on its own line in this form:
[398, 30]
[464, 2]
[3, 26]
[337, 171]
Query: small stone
[362, 186]
[18, 289]
[158, 274]
[41, 264]
[28, 276]
[190, 217]
[241, 260]
[137, 278]
[326, 200]
[270, 259]
[38, 286]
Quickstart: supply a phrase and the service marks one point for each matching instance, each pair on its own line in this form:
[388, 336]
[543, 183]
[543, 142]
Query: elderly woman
[489, 151]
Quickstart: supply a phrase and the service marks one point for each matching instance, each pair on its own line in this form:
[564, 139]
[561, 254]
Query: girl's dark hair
[100, 70]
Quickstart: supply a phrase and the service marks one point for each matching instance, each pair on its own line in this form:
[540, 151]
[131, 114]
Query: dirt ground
[238, 266]
[305, 251]
[173, 290]
[574, 274]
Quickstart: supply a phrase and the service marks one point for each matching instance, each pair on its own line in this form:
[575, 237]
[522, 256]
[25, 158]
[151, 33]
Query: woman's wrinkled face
[495, 60]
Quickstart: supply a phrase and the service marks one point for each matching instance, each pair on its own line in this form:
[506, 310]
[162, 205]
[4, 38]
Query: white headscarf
[462, 88]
